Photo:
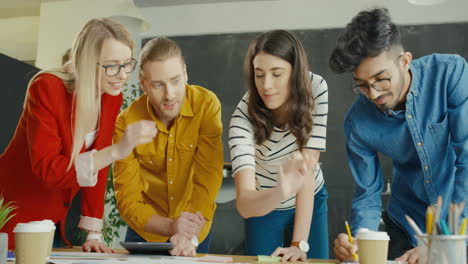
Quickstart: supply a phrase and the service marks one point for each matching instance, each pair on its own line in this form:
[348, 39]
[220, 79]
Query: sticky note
[268, 259]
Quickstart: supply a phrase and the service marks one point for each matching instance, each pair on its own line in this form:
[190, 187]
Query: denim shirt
[427, 142]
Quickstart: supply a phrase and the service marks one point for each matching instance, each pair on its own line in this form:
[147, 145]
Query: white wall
[45, 38]
[61, 21]
[288, 14]
[18, 37]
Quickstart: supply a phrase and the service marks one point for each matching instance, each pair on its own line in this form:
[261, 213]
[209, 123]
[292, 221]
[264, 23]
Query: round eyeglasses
[379, 85]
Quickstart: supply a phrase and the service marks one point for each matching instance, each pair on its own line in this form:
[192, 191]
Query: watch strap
[295, 244]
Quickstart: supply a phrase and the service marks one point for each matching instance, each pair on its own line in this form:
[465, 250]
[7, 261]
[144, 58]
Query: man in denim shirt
[416, 113]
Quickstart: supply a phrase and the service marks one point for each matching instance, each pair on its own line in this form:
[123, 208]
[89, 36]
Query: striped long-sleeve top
[266, 158]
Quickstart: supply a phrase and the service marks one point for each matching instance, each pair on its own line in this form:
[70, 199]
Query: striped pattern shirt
[266, 158]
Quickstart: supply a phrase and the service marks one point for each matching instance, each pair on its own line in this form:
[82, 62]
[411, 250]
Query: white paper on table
[137, 260]
[86, 255]
[111, 258]
[141, 259]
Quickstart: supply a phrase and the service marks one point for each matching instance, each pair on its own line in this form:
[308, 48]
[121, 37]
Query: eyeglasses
[114, 69]
[379, 85]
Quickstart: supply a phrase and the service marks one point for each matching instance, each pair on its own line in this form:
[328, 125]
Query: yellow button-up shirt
[181, 170]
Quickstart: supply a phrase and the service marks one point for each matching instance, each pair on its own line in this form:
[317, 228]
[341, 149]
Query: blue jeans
[58, 242]
[133, 236]
[399, 239]
[266, 233]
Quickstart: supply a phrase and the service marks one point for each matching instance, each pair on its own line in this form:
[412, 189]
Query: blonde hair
[81, 78]
[159, 49]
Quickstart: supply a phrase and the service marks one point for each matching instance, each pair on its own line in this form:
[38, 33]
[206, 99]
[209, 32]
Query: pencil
[437, 211]
[456, 220]
[463, 226]
[444, 227]
[429, 219]
[350, 238]
[451, 218]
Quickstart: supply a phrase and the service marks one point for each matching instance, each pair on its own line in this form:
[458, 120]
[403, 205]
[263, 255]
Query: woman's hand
[290, 254]
[93, 245]
[292, 174]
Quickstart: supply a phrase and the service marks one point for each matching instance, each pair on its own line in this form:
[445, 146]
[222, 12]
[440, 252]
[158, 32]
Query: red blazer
[33, 168]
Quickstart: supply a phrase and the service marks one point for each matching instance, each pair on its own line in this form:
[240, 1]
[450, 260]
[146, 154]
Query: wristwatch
[302, 245]
[194, 241]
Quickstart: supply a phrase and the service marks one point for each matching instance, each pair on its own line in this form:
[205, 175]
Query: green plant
[113, 221]
[5, 212]
[130, 93]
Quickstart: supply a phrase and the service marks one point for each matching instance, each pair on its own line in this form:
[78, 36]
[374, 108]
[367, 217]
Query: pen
[416, 229]
[350, 238]
[414, 226]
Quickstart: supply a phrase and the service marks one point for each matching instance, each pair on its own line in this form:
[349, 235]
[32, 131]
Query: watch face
[304, 246]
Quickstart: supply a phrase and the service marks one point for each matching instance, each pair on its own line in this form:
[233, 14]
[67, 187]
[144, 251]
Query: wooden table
[236, 258]
[252, 259]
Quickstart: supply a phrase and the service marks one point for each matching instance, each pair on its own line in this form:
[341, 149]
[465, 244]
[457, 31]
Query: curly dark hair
[369, 34]
[285, 45]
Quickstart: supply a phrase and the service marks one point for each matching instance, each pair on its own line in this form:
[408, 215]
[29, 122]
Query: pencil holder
[442, 249]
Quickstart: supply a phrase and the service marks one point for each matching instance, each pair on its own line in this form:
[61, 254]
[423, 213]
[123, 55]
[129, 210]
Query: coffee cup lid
[49, 222]
[366, 234]
[31, 228]
[46, 222]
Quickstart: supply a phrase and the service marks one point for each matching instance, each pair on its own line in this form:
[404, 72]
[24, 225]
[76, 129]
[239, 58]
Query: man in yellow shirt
[166, 189]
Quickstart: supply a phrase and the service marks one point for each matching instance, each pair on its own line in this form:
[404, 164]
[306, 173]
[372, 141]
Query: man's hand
[182, 246]
[93, 245]
[343, 249]
[188, 225]
[411, 256]
[292, 254]
[201, 223]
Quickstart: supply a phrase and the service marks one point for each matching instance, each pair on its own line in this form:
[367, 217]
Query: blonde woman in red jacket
[63, 141]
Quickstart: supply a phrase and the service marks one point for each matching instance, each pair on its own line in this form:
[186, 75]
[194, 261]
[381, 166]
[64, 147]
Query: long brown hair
[285, 45]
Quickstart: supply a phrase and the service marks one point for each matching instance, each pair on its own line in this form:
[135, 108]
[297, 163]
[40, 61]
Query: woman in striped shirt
[278, 126]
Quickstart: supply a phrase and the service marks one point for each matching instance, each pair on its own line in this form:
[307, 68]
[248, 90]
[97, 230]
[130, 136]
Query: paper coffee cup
[31, 243]
[51, 225]
[372, 246]
[52, 234]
